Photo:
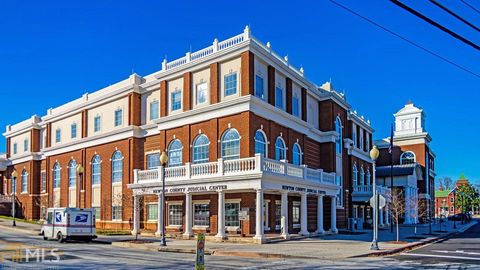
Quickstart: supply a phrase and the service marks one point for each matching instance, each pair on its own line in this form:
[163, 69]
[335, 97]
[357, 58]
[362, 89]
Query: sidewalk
[324, 247]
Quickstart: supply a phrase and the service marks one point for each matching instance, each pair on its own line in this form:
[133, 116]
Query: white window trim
[207, 98]
[170, 94]
[222, 87]
[148, 204]
[297, 203]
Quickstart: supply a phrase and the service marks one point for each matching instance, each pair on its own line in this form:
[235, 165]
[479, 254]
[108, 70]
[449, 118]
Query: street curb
[11, 228]
[416, 244]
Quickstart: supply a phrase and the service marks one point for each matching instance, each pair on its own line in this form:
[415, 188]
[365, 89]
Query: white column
[380, 212]
[284, 210]
[333, 215]
[160, 216]
[136, 214]
[188, 216]
[387, 214]
[259, 216]
[303, 215]
[320, 229]
[221, 215]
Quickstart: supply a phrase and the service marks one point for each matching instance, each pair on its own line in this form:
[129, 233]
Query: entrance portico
[250, 202]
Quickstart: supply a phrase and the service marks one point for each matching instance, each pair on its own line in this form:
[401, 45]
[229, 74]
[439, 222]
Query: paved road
[104, 256]
[461, 249]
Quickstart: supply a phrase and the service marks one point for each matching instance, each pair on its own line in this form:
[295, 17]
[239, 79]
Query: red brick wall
[247, 70]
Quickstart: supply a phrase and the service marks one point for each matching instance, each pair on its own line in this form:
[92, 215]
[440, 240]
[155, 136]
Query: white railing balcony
[367, 190]
[241, 166]
[5, 198]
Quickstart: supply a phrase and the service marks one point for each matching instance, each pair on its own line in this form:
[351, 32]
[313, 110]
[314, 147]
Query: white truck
[69, 223]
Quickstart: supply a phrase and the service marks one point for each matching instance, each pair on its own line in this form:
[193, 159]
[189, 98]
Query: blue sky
[53, 52]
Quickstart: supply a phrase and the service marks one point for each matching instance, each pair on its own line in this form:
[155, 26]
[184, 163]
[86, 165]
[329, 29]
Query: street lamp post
[163, 163]
[14, 192]
[374, 153]
[454, 209]
[80, 186]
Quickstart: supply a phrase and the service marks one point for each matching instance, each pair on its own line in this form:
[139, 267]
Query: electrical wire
[470, 6]
[454, 14]
[406, 39]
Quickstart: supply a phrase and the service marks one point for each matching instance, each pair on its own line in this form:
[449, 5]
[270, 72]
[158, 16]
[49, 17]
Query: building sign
[243, 214]
[192, 189]
[200, 257]
[301, 189]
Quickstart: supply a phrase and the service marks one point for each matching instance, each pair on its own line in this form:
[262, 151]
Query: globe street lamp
[374, 153]
[80, 186]
[14, 192]
[163, 163]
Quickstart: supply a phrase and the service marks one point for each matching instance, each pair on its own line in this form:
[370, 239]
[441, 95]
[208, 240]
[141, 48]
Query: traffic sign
[381, 201]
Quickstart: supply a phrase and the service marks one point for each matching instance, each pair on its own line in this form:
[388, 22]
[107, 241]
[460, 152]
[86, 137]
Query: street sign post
[381, 201]
[200, 257]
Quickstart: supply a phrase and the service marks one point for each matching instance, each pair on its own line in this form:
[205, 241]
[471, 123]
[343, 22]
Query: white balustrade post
[221, 216]
[246, 32]
[304, 171]
[321, 175]
[320, 229]
[136, 214]
[188, 170]
[284, 213]
[258, 162]
[188, 56]
[188, 216]
[220, 167]
[259, 217]
[333, 215]
[215, 45]
[303, 215]
[164, 64]
[135, 176]
[160, 216]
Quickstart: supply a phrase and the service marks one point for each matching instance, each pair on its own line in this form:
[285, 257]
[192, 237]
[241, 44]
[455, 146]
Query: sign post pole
[200, 254]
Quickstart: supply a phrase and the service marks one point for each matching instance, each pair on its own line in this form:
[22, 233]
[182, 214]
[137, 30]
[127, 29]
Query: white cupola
[410, 120]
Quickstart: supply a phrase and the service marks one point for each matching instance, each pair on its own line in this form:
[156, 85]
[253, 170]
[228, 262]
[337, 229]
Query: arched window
[175, 153]
[362, 176]
[72, 173]
[260, 143]
[296, 154]
[407, 158]
[230, 144]
[56, 175]
[117, 167]
[355, 175]
[201, 146]
[96, 170]
[368, 177]
[339, 139]
[280, 149]
[24, 181]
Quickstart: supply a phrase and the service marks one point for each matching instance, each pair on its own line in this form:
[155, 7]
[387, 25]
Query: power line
[434, 23]
[470, 6]
[454, 14]
[406, 39]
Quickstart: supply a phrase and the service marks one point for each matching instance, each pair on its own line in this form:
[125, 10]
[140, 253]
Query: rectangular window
[25, 145]
[279, 97]
[231, 214]
[201, 215]
[58, 135]
[97, 124]
[73, 129]
[118, 117]
[296, 214]
[201, 95]
[278, 215]
[295, 106]
[96, 212]
[152, 211]
[230, 84]
[15, 150]
[176, 100]
[259, 87]
[153, 161]
[154, 110]
[175, 214]
[43, 181]
[116, 213]
[451, 199]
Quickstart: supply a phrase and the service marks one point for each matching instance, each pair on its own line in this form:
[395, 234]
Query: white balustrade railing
[369, 188]
[239, 166]
[231, 42]
[5, 198]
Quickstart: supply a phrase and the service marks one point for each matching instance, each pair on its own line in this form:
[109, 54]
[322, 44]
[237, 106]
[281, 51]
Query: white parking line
[442, 256]
[456, 252]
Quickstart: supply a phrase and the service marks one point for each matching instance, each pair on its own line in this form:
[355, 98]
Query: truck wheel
[45, 238]
[60, 237]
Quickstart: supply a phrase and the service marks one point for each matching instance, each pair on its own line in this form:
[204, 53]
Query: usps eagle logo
[58, 217]
[81, 218]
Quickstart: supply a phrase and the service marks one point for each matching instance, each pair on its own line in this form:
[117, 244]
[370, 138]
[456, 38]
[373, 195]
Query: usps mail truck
[69, 223]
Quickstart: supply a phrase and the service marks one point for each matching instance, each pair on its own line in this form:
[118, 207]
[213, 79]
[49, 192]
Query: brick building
[250, 140]
[445, 199]
[413, 163]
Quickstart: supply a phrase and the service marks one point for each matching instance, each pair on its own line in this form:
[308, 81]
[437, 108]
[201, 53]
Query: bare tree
[448, 183]
[128, 199]
[397, 207]
[421, 210]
